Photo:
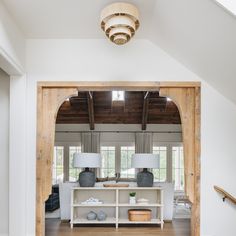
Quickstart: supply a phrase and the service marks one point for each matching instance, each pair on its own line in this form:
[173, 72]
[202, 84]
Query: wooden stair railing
[225, 194]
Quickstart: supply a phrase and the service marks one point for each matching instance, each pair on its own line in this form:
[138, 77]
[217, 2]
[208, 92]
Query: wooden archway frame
[50, 96]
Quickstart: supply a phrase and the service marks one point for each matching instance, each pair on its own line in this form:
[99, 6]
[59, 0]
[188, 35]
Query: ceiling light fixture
[120, 21]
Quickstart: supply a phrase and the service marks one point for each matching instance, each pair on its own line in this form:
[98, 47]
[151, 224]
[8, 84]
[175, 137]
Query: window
[73, 172]
[57, 173]
[118, 95]
[125, 162]
[117, 158]
[108, 161]
[178, 167]
[160, 174]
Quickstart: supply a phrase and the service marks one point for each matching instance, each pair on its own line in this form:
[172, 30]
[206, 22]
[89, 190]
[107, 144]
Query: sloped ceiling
[198, 33]
[69, 19]
[202, 36]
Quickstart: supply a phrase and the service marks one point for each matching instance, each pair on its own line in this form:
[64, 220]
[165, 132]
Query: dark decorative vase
[87, 178]
[145, 178]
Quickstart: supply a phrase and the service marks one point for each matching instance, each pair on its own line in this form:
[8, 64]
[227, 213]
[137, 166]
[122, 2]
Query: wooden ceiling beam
[90, 110]
[145, 111]
[159, 110]
[166, 104]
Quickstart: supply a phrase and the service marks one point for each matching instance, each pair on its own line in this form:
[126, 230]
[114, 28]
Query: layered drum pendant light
[120, 21]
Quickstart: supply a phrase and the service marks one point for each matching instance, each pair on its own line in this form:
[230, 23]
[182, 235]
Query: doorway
[185, 95]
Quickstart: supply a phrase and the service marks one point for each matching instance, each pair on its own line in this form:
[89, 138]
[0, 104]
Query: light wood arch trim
[49, 101]
[188, 103]
[123, 85]
[52, 94]
[184, 100]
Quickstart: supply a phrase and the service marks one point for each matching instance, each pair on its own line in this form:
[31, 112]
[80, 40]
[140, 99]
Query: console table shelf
[94, 205]
[116, 204]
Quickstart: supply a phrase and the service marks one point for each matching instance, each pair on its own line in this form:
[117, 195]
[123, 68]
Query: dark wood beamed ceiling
[90, 110]
[145, 110]
[138, 108]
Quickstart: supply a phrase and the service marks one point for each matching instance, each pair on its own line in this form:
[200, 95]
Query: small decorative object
[91, 201]
[101, 216]
[140, 214]
[87, 160]
[132, 198]
[116, 185]
[143, 201]
[91, 215]
[145, 160]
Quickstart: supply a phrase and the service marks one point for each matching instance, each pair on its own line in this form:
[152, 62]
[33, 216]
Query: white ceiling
[198, 33]
[202, 36]
[68, 18]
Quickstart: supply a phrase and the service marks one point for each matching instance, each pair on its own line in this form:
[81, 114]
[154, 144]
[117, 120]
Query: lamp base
[87, 178]
[145, 178]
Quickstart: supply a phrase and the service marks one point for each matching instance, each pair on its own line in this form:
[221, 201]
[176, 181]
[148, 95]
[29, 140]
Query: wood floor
[176, 228]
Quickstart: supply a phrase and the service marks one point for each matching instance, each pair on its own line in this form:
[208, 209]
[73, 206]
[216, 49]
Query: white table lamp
[145, 160]
[87, 178]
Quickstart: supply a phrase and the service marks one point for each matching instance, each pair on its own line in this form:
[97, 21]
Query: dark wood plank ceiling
[138, 108]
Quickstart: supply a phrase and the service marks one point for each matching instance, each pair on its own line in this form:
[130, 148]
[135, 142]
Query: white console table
[115, 204]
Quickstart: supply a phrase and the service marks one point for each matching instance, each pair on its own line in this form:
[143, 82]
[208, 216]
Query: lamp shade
[145, 160]
[84, 160]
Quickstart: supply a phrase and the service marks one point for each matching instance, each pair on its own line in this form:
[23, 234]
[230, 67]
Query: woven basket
[140, 214]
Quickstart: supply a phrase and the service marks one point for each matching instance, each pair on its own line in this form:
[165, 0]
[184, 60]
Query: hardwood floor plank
[55, 227]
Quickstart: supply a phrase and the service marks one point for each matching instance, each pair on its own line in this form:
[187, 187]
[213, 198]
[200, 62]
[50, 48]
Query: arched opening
[144, 122]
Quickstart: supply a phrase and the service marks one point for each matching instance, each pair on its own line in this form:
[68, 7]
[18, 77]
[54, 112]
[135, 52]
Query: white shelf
[119, 205]
[140, 205]
[153, 221]
[115, 188]
[94, 205]
[109, 220]
[116, 204]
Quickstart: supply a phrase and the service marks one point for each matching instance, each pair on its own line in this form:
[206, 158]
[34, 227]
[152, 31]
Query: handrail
[225, 194]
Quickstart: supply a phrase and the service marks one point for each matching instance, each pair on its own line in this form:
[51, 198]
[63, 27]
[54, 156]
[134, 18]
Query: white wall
[12, 61]
[4, 156]
[91, 59]
[17, 158]
[80, 60]
[12, 44]
[218, 163]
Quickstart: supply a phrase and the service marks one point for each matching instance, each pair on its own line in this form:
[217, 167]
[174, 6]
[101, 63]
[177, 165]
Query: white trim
[65, 143]
[9, 64]
[171, 143]
[117, 143]
[18, 162]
